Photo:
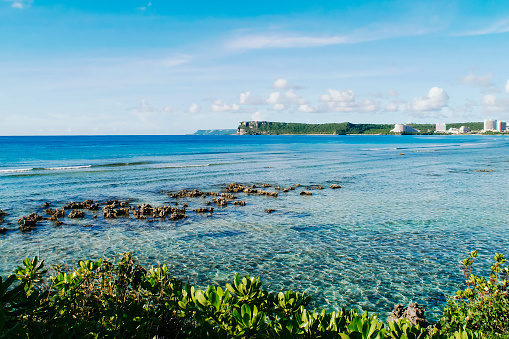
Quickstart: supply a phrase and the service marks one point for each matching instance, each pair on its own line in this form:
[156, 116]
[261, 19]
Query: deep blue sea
[395, 232]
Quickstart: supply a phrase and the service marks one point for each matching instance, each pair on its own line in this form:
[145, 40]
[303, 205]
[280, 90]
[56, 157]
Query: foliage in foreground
[484, 305]
[124, 300]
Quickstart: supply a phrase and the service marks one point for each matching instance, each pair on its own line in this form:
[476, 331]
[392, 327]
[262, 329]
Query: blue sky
[140, 67]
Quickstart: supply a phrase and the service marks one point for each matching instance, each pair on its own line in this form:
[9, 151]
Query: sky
[173, 67]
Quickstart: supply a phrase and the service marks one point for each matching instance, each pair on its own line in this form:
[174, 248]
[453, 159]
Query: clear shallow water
[393, 233]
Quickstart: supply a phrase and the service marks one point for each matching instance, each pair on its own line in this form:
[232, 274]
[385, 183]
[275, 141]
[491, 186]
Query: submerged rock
[204, 210]
[270, 210]
[57, 213]
[76, 214]
[235, 188]
[3, 230]
[186, 194]
[29, 222]
[2, 213]
[222, 202]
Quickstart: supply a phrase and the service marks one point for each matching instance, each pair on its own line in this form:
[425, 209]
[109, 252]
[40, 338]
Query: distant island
[215, 132]
[344, 128]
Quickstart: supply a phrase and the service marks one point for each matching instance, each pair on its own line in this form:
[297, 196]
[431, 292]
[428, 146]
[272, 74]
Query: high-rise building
[464, 129]
[441, 128]
[403, 128]
[501, 126]
[490, 125]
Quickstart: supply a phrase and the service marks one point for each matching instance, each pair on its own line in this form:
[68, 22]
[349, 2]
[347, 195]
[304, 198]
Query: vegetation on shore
[274, 128]
[101, 299]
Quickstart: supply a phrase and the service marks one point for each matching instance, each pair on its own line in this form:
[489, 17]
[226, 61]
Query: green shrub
[102, 299]
[483, 306]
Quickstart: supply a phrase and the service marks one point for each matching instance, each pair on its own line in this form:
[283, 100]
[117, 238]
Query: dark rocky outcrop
[3, 230]
[305, 193]
[235, 188]
[240, 203]
[334, 186]
[187, 194]
[413, 313]
[57, 213]
[29, 222]
[222, 202]
[204, 210]
[75, 214]
[270, 210]
[87, 204]
[2, 213]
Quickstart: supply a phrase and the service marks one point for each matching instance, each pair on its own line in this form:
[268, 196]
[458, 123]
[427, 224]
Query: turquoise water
[393, 233]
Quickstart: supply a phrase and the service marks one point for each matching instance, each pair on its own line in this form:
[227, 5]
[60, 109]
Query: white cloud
[278, 107]
[282, 41]
[194, 108]
[294, 98]
[221, 106]
[507, 86]
[435, 100]
[273, 98]
[392, 93]
[344, 101]
[392, 107]
[501, 26]
[306, 108]
[493, 104]
[337, 96]
[145, 7]
[175, 61]
[20, 4]
[247, 99]
[280, 84]
[481, 80]
[243, 97]
[257, 116]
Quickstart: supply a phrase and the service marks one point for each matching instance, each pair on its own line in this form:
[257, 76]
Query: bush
[101, 299]
[484, 305]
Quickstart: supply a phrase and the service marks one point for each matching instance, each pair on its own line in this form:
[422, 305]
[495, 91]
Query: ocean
[408, 210]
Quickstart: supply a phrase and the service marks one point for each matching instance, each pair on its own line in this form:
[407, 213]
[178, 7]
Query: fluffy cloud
[306, 109]
[194, 108]
[294, 98]
[221, 106]
[278, 107]
[392, 93]
[280, 84]
[243, 97]
[273, 98]
[481, 80]
[257, 116]
[435, 100]
[344, 101]
[392, 106]
[507, 86]
[493, 104]
[247, 99]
